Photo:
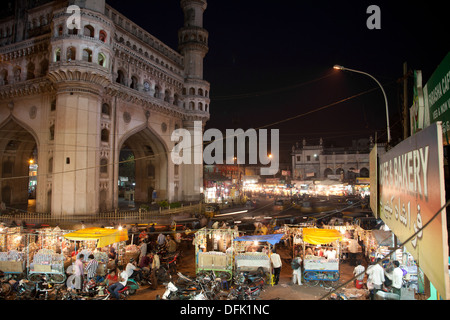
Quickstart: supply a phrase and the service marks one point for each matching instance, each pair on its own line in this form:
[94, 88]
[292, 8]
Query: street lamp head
[338, 67]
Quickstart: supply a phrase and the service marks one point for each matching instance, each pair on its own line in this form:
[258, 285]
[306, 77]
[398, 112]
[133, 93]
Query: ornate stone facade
[73, 98]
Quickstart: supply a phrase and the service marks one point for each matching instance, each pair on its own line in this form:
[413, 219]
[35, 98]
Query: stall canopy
[270, 238]
[384, 238]
[320, 236]
[104, 236]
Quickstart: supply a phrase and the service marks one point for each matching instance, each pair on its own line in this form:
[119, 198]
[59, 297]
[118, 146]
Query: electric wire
[193, 147]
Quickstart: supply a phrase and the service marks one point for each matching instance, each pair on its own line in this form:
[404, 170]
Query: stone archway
[150, 165]
[17, 147]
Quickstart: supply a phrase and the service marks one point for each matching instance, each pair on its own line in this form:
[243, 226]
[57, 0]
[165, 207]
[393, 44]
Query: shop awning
[383, 238]
[270, 238]
[104, 236]
[320, 236]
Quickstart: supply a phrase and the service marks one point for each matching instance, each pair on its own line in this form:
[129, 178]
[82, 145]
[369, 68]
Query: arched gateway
[91, 97]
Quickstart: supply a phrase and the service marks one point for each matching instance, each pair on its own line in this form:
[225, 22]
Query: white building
[320, 162]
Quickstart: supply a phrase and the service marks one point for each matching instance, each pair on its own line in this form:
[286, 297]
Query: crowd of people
[388, 278]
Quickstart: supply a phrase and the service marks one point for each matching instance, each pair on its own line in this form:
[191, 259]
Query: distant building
[318, 162]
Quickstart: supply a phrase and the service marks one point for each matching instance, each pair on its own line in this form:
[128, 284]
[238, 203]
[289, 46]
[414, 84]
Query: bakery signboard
[411, 192]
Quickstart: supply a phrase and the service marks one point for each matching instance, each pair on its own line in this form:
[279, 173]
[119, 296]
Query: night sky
[269, 61]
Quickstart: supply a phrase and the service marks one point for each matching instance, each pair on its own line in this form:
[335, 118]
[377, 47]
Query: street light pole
[338, 67]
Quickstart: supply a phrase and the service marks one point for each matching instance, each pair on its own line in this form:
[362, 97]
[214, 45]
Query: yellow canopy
[320, 236]
[104, 236]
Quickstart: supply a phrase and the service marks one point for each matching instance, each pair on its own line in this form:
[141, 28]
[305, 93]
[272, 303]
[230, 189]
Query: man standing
[397, 279]
[79, 272]
[276, 264]
[297, 270]
[359, 273]
[91, 267]
[375, 275]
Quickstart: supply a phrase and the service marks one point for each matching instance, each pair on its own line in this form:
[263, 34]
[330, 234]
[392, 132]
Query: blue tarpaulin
[270, 238]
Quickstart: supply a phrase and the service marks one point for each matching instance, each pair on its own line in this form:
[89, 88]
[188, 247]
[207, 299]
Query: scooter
[174, 292]
[130, 289]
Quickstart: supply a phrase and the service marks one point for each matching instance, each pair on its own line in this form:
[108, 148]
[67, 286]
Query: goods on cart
[252, 261]
[12, 261]
[213, 260]
[47, 261]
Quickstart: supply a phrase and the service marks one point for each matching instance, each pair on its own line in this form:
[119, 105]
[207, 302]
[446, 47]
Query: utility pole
[405, 101]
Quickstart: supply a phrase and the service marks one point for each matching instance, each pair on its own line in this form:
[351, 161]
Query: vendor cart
[44, 255]
[12, 256]
[252, 253]
[213, 251]
[318, 269]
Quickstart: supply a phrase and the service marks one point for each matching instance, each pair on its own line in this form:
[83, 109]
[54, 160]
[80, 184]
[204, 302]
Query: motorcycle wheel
[6, 289]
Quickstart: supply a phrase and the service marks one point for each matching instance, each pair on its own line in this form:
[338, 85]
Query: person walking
[276, 265]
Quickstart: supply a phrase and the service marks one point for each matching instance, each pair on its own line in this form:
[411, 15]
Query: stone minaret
[80, 69]
[193, 45]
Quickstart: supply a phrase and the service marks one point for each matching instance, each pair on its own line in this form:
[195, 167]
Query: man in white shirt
[276, 264]
[375, 275]
[116, 287]
[397, 279]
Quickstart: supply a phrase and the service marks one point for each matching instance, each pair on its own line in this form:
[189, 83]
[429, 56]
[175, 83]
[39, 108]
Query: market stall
[96, 241]
[319, 267]
[213, 251]
[12, 255]
[252, 253]
[45, 255]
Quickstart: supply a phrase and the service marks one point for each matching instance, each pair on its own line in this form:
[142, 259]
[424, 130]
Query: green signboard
[437, 97]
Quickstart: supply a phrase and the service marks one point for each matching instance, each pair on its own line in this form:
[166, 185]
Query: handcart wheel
[57, 278]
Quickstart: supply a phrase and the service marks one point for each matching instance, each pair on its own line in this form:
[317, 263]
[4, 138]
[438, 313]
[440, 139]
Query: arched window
[157, 91]
[3, 77]
[73, 31]
[50, 165]
[87, 55]
[166, 95]
[71, 53]
[134, 83]
[52, 132]
[175, 99]
[120, 77]
[327, 172]
[105, 135]
[105, 109]
[103, 165]
[200, 106]
[191, 105]
[192, 91]
[102, 59]
[200, 91]
[88, 31]
[102, 36]
[57, 55]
